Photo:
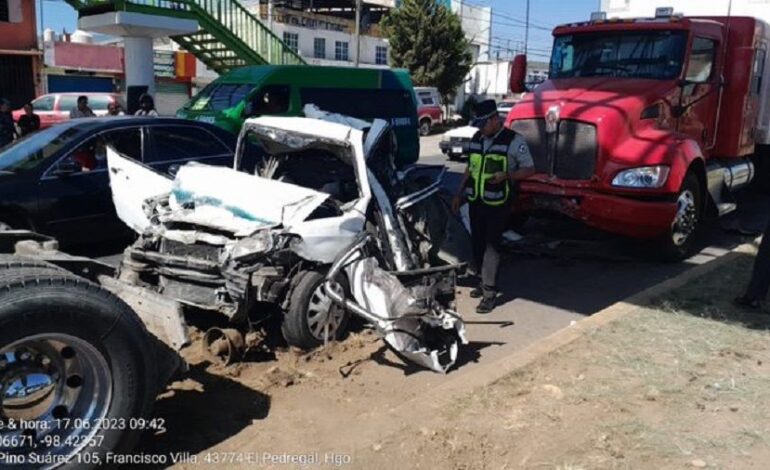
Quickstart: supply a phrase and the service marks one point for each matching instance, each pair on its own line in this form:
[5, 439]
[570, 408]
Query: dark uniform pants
[760, 278]
[487, 226]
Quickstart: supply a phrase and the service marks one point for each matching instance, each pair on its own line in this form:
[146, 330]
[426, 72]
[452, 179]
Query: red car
[55, 107]
[429, 111]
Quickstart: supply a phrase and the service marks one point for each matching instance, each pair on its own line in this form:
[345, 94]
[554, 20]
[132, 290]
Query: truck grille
[576, 148]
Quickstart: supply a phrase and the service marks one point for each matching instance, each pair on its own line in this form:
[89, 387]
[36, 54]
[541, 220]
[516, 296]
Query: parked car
[504, 107]
[429, 112]
[454, 141]
[55, 107]
[55, 181]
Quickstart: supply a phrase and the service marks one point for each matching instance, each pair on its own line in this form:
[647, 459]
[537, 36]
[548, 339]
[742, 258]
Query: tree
[427, 39]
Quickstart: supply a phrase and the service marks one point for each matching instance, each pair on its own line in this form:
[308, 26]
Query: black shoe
[747, 302]
[486, 305]
[477, 293]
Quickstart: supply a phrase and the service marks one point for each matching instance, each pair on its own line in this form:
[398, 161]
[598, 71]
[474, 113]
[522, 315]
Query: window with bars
[319, 48]
[381, 55]
[341, 51]
[291, 40]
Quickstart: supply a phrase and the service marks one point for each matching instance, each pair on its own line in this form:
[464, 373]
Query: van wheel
[424, 127]
[73, 357]
[678, 243]
[312, 316]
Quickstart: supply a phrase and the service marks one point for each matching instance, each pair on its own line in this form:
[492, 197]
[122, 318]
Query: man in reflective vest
[497, 159]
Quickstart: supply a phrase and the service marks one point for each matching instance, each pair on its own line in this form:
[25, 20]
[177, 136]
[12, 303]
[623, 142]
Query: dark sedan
[56, 182]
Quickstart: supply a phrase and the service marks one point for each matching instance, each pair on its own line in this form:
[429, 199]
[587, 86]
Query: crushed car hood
[223, 198]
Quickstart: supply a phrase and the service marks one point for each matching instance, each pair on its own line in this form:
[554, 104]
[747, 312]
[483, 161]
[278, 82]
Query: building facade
[20, 58]
[323, 32]
[646, 8]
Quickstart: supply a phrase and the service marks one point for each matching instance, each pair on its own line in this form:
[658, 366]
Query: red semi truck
[647, 125]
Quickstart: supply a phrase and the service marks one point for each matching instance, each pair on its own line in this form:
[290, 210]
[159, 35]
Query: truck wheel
[424, 127]
[311, 311]
[74, 362]
[678, 242]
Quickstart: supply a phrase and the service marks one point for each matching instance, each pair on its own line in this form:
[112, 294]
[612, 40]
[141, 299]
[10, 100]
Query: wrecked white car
[321, 227]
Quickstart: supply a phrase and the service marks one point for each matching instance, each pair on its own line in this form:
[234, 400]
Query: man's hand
[498, 177]
[457, 201]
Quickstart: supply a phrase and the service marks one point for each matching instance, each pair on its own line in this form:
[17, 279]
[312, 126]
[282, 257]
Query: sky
[507, 20]
[508, 17]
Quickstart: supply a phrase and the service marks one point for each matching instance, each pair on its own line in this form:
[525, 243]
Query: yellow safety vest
[483, 166]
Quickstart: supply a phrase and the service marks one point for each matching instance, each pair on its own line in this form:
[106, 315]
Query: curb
[422, 409]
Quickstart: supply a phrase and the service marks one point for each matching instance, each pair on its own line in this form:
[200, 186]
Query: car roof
[106, 122]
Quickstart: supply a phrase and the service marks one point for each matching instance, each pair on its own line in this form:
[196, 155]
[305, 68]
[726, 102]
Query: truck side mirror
[518, 74]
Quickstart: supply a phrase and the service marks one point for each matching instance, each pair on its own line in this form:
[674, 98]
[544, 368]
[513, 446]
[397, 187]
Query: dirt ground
[682, 383]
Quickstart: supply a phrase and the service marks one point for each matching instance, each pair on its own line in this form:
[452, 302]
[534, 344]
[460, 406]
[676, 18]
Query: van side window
[396, 106]
[758, 71]
[270, 100]
[701, 62]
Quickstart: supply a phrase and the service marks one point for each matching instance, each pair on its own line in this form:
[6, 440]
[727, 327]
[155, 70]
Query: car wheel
[312, 316]
[74, 361]
[424, 127]
[679, 241]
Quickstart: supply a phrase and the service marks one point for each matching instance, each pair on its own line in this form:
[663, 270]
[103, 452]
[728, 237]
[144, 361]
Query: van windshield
[649, 54]
[219, 96]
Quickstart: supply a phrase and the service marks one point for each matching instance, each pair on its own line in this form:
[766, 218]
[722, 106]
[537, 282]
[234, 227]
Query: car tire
[308, 306]
[70, 335]
[679, 241]
[425, 127]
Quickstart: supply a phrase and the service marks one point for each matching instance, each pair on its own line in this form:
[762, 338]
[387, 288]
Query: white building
[646, 8]
[326, 36]
[477, 24]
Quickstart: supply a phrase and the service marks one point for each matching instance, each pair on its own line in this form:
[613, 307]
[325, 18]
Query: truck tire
[679, 242]
[12, 261]
[425, 127]
[74, 357]
[309, 307]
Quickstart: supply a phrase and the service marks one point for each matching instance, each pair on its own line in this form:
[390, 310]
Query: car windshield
[27, 153]
[219, 96]
[649, 54]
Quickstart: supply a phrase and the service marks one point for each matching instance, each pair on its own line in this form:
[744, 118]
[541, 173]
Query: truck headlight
[644, 177]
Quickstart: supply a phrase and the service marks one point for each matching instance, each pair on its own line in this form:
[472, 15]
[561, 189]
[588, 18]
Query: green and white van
[283, 90]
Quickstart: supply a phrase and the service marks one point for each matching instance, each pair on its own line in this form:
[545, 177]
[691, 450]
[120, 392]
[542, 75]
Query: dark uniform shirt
[29, 123]
[7, 129]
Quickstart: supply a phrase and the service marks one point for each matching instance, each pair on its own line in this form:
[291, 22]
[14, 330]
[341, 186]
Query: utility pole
[270, 25]
[526, 31]
[358, 32]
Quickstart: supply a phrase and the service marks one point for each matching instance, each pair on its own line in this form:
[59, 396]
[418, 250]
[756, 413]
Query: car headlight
[258, 243]
[644, 177]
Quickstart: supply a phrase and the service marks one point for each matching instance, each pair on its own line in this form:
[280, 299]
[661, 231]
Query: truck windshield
[649, 54]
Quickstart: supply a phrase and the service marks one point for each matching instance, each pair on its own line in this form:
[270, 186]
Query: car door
[171, 146]
[64, 104]
[74, 193]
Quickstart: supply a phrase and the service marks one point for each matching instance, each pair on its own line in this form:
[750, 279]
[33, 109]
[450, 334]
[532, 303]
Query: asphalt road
[565, 273]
